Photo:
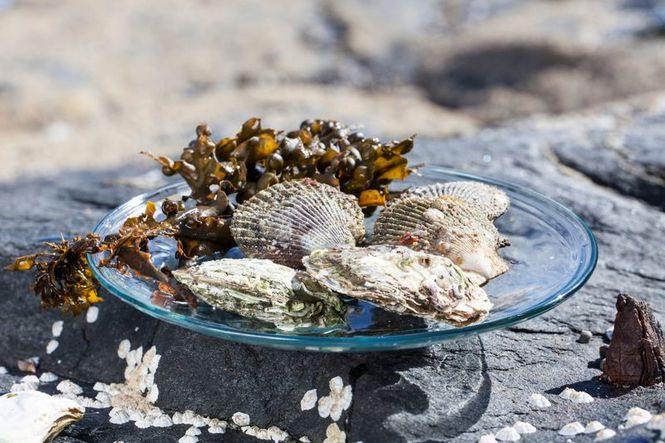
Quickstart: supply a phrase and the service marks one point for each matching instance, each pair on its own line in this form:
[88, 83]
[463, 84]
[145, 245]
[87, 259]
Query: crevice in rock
[471, 412]
[354, 374]
[536, 331]
[90, 201]
[618, 174]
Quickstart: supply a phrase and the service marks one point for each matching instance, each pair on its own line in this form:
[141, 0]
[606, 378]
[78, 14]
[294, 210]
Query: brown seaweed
[257, 158]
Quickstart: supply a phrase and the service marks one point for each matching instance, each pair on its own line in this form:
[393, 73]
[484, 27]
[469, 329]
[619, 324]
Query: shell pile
[289, 220]
[445, 225]
[432, 247]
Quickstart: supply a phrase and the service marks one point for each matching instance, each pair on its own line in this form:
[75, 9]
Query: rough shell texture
[636, 355]
[289, 220]
[487, 199]
[447, 226]
[263, 290]
[401, 280]
[32, 416]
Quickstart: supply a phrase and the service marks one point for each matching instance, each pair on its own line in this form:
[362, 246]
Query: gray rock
[451, 392]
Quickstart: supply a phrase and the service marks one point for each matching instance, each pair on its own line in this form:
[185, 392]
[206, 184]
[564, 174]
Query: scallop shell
[488, 199]
[401, 280]
[447, 226]
[287, 221]
[263, 290]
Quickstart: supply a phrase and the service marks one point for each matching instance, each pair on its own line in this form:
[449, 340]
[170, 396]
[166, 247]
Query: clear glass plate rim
[369, 342]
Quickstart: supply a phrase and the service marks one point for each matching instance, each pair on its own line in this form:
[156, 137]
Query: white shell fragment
[401, 280]
[487, 438]
[69, 387]
[507, 434]
[123, 348]
[490, 200]
[51, 346]
[56, 329]
[605, 434]
[308, 400]
[446, 226]
[609, 332]
[217, 426]
[240, 419]
[571, 429]
[48, 377]
[24, 386]
[657, 423]
[593, 427]
[635, 416]
[30, 379]
[538, 401]
[334, 434]
[576, 396]
[33, 416]
[523, 427]
[287, 221]
[264, 290]
[193, 430]
[92, 314]
[338, 401]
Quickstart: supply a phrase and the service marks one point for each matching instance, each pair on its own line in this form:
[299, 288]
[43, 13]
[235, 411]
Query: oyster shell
[32, 416]
[488, 199]
[264, 290]
[447, 226]
[401, 280]
[287, 221]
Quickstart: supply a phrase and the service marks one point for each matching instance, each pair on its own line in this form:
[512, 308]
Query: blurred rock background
[89, 85]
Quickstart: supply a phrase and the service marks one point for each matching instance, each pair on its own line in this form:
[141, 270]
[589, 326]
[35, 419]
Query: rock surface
[450, 392]
[85, 88]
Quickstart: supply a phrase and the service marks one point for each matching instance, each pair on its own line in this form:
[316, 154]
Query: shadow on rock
[420, 395]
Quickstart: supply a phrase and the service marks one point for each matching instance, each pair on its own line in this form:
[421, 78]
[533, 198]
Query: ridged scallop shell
[401, 280]
[488, 199]
[287, 221]
[264, 290]
[447, 226]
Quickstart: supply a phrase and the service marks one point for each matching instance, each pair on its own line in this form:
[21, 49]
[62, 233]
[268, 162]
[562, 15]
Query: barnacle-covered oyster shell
[401, 280]
[32, 416]
[289, 220]
[488, 199]
[263, 290]
[447, 226]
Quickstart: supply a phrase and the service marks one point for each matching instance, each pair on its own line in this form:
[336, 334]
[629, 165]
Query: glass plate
[552, 254]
